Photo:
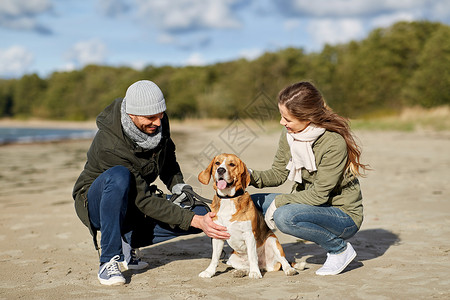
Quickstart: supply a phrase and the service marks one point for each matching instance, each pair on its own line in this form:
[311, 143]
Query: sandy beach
[403, 246]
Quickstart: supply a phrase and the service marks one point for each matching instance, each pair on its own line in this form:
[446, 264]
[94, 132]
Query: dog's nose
[221, 170]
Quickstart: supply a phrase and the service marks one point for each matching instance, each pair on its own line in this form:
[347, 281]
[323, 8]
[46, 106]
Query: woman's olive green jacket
[326, 186]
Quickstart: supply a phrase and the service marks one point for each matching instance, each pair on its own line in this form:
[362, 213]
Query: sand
[403, 246]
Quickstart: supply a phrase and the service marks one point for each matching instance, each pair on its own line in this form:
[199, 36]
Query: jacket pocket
[149, 170]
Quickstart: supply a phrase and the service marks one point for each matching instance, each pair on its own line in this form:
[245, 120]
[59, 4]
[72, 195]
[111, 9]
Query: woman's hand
[210, 228]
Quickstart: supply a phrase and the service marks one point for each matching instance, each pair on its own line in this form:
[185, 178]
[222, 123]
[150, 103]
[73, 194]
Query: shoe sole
[123, 266]
[118, 281]
[134, 267]
[340, 269]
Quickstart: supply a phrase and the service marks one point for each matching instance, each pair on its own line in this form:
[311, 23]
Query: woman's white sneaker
[336, 263]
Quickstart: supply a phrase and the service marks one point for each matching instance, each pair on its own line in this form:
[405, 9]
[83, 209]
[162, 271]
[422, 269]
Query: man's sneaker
[134, 262]
[131, 260]
[109, 273]
[336, 263]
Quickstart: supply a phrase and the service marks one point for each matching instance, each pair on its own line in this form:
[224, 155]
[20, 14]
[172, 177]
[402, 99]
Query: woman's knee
[287, 216]
[282, 221]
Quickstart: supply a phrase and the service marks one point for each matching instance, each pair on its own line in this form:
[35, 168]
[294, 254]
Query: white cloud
[438, 10]
[339, 21]
[335, 31]
[196, 59]
[138, 64]
[15, 61]
[388, 20]
[21, 14]
[251, 54]
[87, 52]
[22, 7]
[189, 15]
[68, 67]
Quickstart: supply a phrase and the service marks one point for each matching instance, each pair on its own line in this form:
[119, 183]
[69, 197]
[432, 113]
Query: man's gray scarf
[146, 141]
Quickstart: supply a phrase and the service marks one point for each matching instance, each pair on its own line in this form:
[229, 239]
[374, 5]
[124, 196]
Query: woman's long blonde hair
[305, 102]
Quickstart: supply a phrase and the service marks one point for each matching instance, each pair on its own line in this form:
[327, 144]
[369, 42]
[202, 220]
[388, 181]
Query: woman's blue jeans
[326, 226]
[107, 204]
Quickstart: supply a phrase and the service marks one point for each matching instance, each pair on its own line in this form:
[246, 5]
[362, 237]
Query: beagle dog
[255, 246]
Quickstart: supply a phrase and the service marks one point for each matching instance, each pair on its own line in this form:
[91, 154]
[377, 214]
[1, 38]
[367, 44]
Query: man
[113, 193]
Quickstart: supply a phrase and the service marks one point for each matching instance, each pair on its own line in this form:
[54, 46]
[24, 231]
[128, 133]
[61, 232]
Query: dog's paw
[290, 271]
[205, 274]
[255, 275]
[299, 265]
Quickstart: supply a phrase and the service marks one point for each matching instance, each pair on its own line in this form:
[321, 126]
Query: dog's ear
[244, 180]
[205, 175]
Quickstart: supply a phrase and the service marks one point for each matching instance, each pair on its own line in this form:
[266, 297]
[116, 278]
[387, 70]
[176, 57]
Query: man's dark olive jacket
[111, 147]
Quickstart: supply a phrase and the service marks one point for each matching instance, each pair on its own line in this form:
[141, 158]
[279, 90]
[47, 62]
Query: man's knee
[119, 177]
[120, 172]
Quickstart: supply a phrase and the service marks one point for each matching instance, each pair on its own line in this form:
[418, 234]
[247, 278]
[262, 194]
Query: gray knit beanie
[144, 98]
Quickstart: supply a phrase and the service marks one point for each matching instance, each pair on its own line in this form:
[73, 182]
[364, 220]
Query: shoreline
[50, 124]
[30, 132]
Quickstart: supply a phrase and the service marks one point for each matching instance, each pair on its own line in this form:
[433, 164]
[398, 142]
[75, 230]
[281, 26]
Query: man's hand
[210, 228]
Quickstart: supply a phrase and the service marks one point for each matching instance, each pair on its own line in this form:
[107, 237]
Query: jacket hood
[109, 119]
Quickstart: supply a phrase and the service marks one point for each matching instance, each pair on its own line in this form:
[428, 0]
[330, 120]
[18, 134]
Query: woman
[318, 152]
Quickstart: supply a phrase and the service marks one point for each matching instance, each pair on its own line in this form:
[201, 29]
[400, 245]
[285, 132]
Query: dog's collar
[238, 193]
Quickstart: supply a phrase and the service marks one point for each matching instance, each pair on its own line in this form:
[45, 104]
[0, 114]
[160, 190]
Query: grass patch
[410, 119]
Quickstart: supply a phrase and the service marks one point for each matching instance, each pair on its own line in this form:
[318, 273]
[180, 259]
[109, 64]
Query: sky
[46, 36]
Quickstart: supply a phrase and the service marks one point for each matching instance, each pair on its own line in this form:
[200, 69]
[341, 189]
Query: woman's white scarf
[146, 141]
[302, 155]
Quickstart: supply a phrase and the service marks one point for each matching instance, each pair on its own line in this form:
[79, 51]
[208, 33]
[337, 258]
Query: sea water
[9, 135]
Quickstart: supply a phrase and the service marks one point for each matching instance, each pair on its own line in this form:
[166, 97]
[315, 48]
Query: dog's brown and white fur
[255, 246]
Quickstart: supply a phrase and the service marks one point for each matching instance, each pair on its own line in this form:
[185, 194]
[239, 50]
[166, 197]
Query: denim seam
[348, 228]
[293, 224]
